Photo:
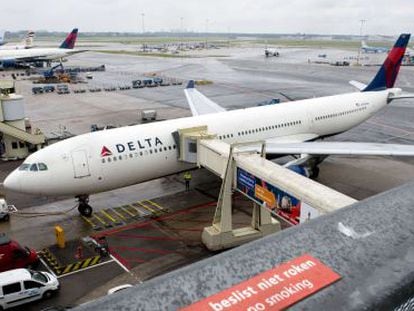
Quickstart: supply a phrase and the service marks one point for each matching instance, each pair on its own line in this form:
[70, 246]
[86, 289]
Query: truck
[14, 256]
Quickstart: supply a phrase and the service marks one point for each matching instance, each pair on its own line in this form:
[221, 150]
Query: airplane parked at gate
[23, 57]
[26, 44]
[105, 160]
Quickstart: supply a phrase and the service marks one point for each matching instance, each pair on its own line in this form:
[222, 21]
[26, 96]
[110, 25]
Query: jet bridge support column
[221, 234]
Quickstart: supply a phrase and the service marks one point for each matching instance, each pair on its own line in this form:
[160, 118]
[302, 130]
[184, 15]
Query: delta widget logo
[105, 152]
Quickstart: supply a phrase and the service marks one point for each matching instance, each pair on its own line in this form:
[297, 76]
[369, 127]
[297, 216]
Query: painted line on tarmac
[87, 268]
[47, 267]
[119, 214]
[119, 263]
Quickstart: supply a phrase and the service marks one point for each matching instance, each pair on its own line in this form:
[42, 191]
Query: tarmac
[147, 240]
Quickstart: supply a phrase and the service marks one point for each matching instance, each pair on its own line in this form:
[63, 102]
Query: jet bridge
[243, 168]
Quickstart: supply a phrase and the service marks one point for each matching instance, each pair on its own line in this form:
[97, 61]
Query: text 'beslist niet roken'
[252, 292]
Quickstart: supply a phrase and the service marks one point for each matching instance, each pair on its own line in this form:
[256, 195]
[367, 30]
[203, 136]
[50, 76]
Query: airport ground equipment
[244, 168]
[15, 138]
[6, 210]
[149, 115]
[374, 257]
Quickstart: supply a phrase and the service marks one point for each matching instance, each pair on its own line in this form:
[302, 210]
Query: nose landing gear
[84, 208]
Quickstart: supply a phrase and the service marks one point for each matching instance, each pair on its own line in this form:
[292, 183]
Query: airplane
[105, 160]
[26, 44]
[365, 48]
[271, 52]
[2, 37]
[22, 57]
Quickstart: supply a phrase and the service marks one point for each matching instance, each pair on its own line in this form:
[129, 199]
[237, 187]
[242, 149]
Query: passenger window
[33, 168]
[103, 161]
[11, 288]
[31, 284]
[43, 167]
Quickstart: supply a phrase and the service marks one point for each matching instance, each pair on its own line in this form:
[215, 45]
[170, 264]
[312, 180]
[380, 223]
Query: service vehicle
[20, 286]
[4, 210]
[13, 255]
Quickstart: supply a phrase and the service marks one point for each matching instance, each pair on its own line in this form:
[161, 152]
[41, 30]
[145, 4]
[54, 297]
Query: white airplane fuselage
[105, 160]
[35, 53]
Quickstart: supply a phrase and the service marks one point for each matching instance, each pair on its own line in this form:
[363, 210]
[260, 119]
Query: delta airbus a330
[105, 160]
[22, 57]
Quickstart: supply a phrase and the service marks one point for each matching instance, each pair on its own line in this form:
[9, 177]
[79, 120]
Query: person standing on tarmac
[187, 179]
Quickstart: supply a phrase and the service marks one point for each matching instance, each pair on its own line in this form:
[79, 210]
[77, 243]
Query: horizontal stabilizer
[359, 85]
[200, 104]
[340, 148]
[400, 96]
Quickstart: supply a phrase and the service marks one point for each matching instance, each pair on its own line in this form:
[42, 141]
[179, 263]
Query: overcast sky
[263, 16]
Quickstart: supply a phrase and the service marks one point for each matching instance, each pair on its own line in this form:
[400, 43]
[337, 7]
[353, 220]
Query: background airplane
[106, 160]
[365, 48]
[27, 43]
[24, 57]
[2, 37]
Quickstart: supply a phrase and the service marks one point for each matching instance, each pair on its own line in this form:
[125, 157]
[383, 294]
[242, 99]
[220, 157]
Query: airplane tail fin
[386, 76]
[2, 37]
[28, 41]
[70, 40]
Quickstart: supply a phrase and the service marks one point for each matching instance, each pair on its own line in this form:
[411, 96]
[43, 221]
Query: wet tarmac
[148, 240]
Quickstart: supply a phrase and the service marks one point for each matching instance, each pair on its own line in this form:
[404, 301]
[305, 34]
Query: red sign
[275, 289]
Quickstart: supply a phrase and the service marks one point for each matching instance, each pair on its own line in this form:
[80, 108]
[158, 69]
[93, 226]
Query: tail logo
[105, 152]
[70, 40]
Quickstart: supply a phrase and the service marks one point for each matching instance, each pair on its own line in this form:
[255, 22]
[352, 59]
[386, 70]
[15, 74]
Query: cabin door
[80, 164]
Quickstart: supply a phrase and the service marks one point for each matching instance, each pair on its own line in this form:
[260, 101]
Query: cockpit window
[34, 168]
[24, 167]
[42, 166]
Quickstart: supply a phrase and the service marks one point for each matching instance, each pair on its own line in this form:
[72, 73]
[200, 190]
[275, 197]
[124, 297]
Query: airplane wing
[358, 85]
[199, 103]
[340, 148]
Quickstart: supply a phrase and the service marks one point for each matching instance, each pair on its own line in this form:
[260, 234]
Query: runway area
[155, 227]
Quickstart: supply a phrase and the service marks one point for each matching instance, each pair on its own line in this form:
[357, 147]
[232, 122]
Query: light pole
[143, 23]
[206, 33]
[181, 33]
[362, 21]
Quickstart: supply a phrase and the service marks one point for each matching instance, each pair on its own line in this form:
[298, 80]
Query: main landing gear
[84, 208]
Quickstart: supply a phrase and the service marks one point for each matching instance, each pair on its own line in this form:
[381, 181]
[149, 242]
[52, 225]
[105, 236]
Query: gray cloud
[268, 16]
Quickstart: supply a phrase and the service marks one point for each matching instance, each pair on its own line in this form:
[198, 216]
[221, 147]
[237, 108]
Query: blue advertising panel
[275, 199]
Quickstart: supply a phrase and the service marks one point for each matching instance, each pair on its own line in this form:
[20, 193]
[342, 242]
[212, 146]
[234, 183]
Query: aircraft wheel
[85, 209]
[315, 172]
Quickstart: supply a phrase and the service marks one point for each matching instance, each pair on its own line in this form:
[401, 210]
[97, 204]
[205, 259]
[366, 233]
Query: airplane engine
[301, 170]
[8, 63]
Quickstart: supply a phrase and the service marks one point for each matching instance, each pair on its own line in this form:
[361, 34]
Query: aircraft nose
[12, 182]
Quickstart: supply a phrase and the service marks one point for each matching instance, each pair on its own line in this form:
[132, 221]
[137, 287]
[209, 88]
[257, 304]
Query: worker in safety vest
[187, 179]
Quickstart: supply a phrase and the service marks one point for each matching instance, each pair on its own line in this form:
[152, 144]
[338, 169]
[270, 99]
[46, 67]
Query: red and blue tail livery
[70, 40]
[388, 73]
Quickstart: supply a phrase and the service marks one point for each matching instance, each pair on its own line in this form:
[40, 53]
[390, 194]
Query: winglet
[190, 84]
[388, 72]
